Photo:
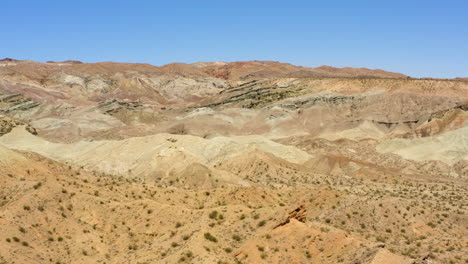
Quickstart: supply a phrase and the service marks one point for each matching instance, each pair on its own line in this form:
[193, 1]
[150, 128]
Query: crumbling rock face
[299, 214]
[11, 103]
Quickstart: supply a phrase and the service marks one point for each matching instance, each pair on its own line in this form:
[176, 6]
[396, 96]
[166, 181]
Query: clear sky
[418, 38]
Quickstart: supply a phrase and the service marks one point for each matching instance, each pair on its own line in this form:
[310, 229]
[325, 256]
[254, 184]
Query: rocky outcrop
[7, 124]
[114, 106]
[16, 102]
[299, 214]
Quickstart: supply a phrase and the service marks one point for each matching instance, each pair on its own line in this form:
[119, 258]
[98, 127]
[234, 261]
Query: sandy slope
[449, 147]
[143, 155]
[62, 214]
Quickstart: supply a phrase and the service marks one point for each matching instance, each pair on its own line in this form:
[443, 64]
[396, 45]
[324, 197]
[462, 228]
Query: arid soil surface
[240, 162]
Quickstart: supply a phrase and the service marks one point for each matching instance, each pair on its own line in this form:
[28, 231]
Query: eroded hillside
[244, 162]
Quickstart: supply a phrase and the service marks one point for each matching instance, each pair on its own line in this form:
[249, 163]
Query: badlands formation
[241, 162]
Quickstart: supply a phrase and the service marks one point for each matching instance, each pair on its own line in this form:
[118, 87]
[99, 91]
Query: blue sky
[418, 38]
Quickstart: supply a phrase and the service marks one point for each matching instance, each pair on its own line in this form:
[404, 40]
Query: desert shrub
[213, 214]
[381, 239]
[210, 237]
[132, 247]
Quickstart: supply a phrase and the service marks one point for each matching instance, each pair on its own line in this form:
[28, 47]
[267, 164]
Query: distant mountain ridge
[239, 70]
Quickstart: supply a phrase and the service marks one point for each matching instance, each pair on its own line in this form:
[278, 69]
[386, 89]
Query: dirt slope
[230, 162]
